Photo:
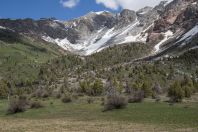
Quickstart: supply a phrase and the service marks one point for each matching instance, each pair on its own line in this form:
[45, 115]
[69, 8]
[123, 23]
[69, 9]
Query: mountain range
[167, 28]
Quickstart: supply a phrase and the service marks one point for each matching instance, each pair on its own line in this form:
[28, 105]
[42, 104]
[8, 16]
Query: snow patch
[168, 2]
[187, 36]
[130, 27]
[196, 47]
[1, 27]
[141, 37]
[95, 46]
[100, 12]
[48, 39]
[59, 21]
[54, 25]
[63, 43]
[167, 36]
[143, 12]
[74, 24]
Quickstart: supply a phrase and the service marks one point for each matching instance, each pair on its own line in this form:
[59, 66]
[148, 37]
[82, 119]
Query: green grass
[21, 60]
[176, 116]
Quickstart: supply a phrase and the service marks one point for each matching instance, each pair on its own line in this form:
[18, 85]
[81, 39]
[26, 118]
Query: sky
[65, 9]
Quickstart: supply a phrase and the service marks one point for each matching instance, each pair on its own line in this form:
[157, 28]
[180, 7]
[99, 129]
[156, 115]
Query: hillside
[103, 71]
[21, 57]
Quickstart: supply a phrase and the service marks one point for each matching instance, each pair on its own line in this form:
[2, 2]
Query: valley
[103, 71]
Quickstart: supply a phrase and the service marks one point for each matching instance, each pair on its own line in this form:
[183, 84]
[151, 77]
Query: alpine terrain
[74, 75]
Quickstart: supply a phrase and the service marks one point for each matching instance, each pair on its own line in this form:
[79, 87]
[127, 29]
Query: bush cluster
[180, 89]
[136, 97]
[94, 88]
[36, 105]
[115, 102]
[18, 104]
[66, 99]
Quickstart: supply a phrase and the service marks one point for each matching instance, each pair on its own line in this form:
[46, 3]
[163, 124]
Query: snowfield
[103, 38]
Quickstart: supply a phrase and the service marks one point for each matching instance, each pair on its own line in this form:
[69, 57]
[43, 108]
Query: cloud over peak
[112, 4]
[116, 4]
[127, 4]
[69, 3]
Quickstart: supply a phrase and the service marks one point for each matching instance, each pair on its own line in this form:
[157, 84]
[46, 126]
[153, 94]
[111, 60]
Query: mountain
[165, 28]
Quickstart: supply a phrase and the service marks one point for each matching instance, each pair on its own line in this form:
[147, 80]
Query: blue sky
[64, 9]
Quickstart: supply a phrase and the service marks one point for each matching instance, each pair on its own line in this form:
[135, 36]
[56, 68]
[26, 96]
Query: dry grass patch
[58, 125]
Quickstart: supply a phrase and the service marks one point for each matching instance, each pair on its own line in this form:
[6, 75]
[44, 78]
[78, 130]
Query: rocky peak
[171, 14]
[188, 18]
[126, 17]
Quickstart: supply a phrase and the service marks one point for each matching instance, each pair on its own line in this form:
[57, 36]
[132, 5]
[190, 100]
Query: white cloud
[69, 3]
[112, 4]
[128, 4]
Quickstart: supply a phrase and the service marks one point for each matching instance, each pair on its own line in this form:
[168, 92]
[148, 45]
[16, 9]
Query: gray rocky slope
[166, 27]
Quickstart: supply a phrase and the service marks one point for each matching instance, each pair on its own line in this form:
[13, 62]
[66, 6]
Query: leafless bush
[90, 100]
[137, 97]
[115, 102]
[36, 105]
[18, 104]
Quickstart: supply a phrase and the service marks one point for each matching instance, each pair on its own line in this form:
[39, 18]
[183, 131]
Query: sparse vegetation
[115, 102]
[17, 105]
[136, 97]
[80, 83]
[90, 100]
[169, 118]
[36, 105]
[92, 88]
[180, 89]
[66, 99]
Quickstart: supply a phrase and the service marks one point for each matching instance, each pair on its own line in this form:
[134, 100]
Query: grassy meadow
[81, 116]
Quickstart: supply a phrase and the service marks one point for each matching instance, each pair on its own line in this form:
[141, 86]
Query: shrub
[175, 92]
[84, 85]
[66, 99]
[188, 91]
[187, 86]
[23, 99]
[115, 102]
[44, 94]
[58, 95]
[3, 89]
[92, 89]
[157, 99]
[90, 100]
[157, 90]
[102, 101]
[146, 87]
[36, 105]
[75, 96]
[17, 105]
[137, 97]
[97, 88]
[41, 93]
